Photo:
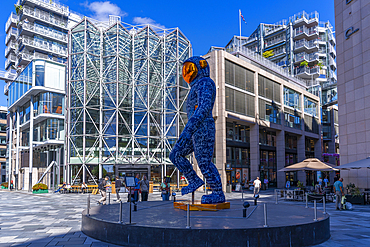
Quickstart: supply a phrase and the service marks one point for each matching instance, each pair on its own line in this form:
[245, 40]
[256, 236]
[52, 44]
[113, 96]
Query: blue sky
[205, 23]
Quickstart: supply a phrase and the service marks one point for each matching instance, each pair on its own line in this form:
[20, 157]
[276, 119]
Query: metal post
[192, 197]
[242, 193]
[265, 215]
[244, 212]
[188, 217]
[315, 210]
[324, 204]
[276, 196]
[306, 200]
[135, 206]
[88, 205]
[108, 198]
[129, 198]
[120, 212]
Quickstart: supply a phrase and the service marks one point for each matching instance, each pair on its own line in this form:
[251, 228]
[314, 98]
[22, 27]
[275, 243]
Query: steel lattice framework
[125, 95]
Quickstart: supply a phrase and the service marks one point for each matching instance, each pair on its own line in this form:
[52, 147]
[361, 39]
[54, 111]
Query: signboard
[130, 182]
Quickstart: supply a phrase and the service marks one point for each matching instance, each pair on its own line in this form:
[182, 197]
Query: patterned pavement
[55, 219]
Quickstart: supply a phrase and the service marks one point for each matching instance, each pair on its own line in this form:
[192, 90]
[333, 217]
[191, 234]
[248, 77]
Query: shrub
[5, 184]
[40, 187]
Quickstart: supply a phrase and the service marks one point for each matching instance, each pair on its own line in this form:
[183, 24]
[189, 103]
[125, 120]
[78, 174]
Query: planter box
[4, 187]
[40, 191]
[356, 199]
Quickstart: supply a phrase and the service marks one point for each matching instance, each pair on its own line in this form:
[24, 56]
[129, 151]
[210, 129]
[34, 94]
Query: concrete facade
[251, 165]
[352, 24]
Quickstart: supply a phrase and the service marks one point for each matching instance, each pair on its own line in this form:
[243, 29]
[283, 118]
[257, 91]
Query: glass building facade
[126, 99]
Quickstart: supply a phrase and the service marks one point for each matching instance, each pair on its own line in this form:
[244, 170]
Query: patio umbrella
[365, 163]
[311, 164]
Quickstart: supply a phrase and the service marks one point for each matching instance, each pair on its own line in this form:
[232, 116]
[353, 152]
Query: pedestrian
[103, 192]
[166, 189]
[338, 190]
[11, 185]
[118, 184]
[320, 181]
[257, 185]
[83, 187]
[144, 187]
[326, 181]
[266, 182]
[137, 188]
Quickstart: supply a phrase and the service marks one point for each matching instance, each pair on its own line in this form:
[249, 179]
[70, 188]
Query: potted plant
[4, 185]
[354, 195]
[40, 188]
[300, 185]
[18, 9]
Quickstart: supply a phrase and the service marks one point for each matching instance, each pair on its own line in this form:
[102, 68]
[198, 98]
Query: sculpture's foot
[216, 197]
[193, 186]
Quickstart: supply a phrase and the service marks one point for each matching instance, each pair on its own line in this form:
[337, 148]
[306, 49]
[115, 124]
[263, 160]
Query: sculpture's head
[195, 68]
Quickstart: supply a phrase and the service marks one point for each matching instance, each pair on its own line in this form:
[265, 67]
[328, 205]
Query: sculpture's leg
[178, 158]
[204, 146]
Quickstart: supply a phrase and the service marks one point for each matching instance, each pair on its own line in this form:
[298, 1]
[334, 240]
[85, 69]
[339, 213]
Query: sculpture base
[198, 206]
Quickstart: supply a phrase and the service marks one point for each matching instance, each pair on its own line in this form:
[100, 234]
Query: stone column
[254, 136]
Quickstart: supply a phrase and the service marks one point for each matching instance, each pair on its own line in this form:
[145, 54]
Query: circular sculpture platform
[157, 223]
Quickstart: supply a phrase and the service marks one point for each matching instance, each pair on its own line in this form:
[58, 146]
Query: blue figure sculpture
[198, 135]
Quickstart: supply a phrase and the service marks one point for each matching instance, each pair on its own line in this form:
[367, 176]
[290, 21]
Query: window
[239, 102]
[325, 116]
[269, 112]
[2, 139]
[267, 138]
[2, 152]
[292, 118]
[268, 88]
[2, 127]
[40, 75]
[310, 106]
[237, 132]
[311, 124]
[239, 76]
[291, 98]
[291, 142]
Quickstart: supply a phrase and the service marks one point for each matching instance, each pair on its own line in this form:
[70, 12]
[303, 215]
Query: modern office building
[125, 99]
[3, 147]
[304, 47]
[35, 74]
[353, 34]
[265, 119]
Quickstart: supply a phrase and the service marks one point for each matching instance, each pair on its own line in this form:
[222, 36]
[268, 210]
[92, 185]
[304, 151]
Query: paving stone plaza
[55, 219]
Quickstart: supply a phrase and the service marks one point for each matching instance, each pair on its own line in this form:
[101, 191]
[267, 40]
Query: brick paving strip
[55, 219]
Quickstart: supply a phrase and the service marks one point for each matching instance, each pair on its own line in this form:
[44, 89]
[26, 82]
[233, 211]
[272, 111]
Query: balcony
[44, 45]
[269, 29]
[277, 53]
[304, 45]
[306, 32]
[332, 63]
[305, 18]
[7, 76]
[52, 5]
[49, 33]
[11, 46]
[332, 50]
[275, 41]
[43, 16]
[307, 73]
[13, 18]
[11, 59]
[24, 58]
[300, 57]
[12, 34]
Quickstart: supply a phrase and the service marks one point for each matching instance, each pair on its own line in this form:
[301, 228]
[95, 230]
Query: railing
[9, 47]
[332, 62]
[275, 41]
[275, 27]
[12, 32]
[332, 50]
[307, 70]
[11, 59]
[12, 19]
[304, 30]
[251, 39]
[304, 56]
[308, 44]
[6, 75]
[271, 65]
[45, 16]
[44, 45]
[49, 4]
[45, 31]
[303, 16]
[278, 52]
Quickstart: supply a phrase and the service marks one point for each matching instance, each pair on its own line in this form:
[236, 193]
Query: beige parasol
[311, 164]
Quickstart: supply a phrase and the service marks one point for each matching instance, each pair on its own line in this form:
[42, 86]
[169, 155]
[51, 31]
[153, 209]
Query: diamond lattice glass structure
[126, 97]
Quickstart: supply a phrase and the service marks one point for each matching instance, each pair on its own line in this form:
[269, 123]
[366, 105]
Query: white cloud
[146, 20]
[102, 10]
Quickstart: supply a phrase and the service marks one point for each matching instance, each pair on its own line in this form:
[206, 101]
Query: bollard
[188, 217]
[244, 212]
[108, 198]
[306, 200]
[120, 212]
[265, 214]
[88, 205]
[276, 197]
[174, 196]
[242, 194]
[255, 199]
[135, 206]
[315, 210]
[192, 198]
[324, 205]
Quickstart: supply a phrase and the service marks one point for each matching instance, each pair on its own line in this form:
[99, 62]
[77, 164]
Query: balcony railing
[7, 76]
[307, 70]
[332, 50]
[12, 19]
[303, 16]
[304, 56]
[45, 31]
[45, 16]
[11, 59]
[308, 44]
[12, 32]
[48, 4]
[47, 46]
[10, 46]
[275, 41]
[278, 53]
[304, 30]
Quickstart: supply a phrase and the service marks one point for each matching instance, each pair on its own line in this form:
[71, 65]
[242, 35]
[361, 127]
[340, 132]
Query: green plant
[5, 184]
[300, 184]
[353, 190]
[268, 53]
[40, 186]
[304, 64]
[18, 9]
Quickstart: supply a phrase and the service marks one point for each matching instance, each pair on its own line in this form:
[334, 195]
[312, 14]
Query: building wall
[352, 24]
[253, 122]
[3, 147]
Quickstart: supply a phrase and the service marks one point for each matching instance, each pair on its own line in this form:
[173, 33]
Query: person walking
[166, 188]
[118, 184]
[257, 186]
[338, 190]
[137, 188]
[266, 182]
[103, 192]
[83, 187]
[144, 187]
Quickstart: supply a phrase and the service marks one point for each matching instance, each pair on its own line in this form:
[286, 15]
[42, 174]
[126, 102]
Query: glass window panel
[229, 99]
[40, 75]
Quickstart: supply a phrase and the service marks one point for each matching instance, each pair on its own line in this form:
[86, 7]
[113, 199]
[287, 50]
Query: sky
[205, 23]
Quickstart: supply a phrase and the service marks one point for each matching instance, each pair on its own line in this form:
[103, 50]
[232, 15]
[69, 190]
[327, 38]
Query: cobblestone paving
[55, 219]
